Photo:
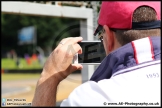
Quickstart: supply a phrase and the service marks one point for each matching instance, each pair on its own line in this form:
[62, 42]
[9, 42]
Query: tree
[48, 28]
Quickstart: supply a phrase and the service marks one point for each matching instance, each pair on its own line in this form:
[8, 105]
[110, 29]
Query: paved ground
[7, 91]
[26, 88]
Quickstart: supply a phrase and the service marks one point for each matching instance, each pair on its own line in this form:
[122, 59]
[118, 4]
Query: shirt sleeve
[87, 94]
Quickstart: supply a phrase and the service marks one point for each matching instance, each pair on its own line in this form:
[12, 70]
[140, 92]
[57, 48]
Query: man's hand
[56, 68]
[60, 60]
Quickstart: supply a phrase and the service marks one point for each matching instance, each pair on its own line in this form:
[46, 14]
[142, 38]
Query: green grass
[11, 64]
[19, 76]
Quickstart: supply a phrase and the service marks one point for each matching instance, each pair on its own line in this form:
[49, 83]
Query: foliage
[50, 30]
[47, 28]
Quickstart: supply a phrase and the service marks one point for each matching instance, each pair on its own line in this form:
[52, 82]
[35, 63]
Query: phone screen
[92, 52]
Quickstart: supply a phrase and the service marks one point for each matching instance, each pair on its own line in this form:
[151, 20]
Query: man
[129, 74]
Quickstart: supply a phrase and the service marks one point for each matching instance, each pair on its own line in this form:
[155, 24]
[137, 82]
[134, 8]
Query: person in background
[28, 59]
[41, 59]
[18, 62]
[129, 74]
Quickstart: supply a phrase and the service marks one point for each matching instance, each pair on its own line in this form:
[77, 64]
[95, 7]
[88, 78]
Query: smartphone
[93, 52]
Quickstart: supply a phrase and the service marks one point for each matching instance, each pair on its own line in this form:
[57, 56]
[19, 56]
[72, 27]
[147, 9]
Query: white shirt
[140, 86]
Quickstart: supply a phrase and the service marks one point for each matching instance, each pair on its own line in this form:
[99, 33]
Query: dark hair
[143, 13]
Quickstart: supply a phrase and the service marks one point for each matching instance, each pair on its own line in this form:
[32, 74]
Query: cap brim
[99, 28]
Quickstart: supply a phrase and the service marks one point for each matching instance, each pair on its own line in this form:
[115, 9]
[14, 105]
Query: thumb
[76, 67]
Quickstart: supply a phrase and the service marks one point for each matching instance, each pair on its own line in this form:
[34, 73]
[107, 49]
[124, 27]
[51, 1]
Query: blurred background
[27, 41]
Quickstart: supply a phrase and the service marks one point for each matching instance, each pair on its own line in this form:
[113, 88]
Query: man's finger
[63, 41]
[69, 40]
[71, 50]
[78, 49]
[75, 67]
[73, 40]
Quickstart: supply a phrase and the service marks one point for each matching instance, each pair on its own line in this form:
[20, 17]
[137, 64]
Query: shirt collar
[124, 57]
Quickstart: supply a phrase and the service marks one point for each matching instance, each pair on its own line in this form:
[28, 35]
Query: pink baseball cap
[118, 15]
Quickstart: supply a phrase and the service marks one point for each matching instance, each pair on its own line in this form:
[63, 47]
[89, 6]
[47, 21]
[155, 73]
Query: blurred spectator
[41, 59]
[18, 62]
[27, 58]
[34, 58]
[13, 54]
[8, 54]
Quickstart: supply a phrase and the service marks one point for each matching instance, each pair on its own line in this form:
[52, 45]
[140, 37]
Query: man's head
[124, 22]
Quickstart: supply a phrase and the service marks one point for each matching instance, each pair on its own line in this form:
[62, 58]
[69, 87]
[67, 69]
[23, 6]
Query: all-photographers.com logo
[3, 104]
[3, 101]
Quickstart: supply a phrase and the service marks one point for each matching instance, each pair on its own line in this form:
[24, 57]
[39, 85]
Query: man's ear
[110, 38]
